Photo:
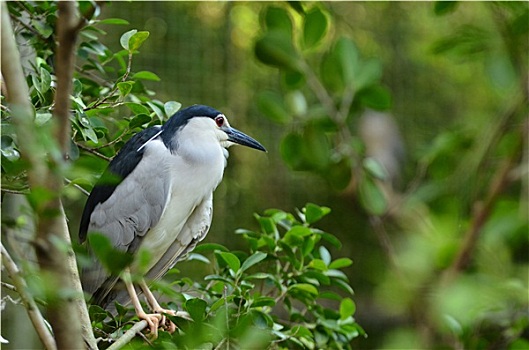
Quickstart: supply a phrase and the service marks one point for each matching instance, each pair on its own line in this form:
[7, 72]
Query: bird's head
[204, 124]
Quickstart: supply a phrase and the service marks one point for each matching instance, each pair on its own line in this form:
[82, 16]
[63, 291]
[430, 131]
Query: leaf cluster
[110, 101]
[285, 291]
[326, 85]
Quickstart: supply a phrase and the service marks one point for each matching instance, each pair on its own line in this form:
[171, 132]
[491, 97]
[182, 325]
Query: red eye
[219, 120]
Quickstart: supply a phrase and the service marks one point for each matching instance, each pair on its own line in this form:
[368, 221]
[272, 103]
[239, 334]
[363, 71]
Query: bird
[156, 195]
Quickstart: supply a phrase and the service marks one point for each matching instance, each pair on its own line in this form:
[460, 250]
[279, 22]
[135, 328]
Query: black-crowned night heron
[161, 202]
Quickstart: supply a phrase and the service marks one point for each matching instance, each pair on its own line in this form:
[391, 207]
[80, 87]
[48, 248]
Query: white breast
[194, 173]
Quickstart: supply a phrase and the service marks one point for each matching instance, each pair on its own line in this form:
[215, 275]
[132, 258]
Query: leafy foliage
[284, 291]
[457, 75]
[327, 84]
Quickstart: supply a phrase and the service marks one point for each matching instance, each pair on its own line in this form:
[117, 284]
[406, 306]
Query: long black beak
[241, 138]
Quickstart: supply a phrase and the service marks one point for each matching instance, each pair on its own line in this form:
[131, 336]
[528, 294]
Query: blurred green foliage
[453, 77]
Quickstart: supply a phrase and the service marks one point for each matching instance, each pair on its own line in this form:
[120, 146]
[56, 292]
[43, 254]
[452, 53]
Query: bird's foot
[153, 320]
[165, 322]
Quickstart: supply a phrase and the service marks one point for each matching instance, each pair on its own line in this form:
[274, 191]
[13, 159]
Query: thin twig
[115, 89]
[90, 150]
[129, 335]
[85, 192]
[7, 190]
[9, 286]
[28, 27]
[27, 299]
[117, 139]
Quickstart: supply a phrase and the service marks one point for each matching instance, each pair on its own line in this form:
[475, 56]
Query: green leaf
[77, 88]
[171, 107]
[309, 244]
[118, 21]
[374, 168]
[8, 149]
[145, 75]
[318, 264]
[230, 259]
[292, 80]
[263, 301]
[267, 224]
[367, 73]
[296, 103]
[252, 260]
[112, 259]
[260, 276]
[342, 284]
[347, 308]
[340, 263]
[97, 313]
[325, 255]
[209, 247]
[125, 87]
[372, 197]
[316, 148]
[332, 240]
[314, 213]
[300, 231]
[137, 39]
[339, 173]
[45, 80]
[318, 275]
[137, 108]
[124, 40]
[444, 7]
[156, 109]
[198, 257]
[277, 18]
[43, 28]
[42, 117]
[314, 27]
[376, 97]
[89, 134]
[304, 287]
[339, 65]
[272, 106]
[139, 120]
[196, 308]
[291, 149]
[275, 48]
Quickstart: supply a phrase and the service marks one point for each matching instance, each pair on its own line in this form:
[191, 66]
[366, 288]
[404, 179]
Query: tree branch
[27, 300]
[127, 337]
[482, 211]
[54, 253]
[67, 30]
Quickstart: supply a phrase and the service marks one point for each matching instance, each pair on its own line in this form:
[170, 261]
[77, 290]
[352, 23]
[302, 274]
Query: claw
[153, 320]
[165, 322]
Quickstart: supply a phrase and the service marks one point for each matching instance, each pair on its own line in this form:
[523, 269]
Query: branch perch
[127, 337]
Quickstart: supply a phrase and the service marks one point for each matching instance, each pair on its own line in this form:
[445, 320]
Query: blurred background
[430, 159]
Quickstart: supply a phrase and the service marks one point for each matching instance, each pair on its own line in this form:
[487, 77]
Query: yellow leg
[153, 320]
[155, 307]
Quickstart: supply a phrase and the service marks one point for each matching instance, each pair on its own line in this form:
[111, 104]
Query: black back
[119, 168]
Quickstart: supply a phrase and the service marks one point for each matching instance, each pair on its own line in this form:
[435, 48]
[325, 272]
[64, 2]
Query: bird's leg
[155, 307]
[153, 320]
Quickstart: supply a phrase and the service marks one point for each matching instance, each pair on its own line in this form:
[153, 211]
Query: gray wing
[194, 230]
[134, 207]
